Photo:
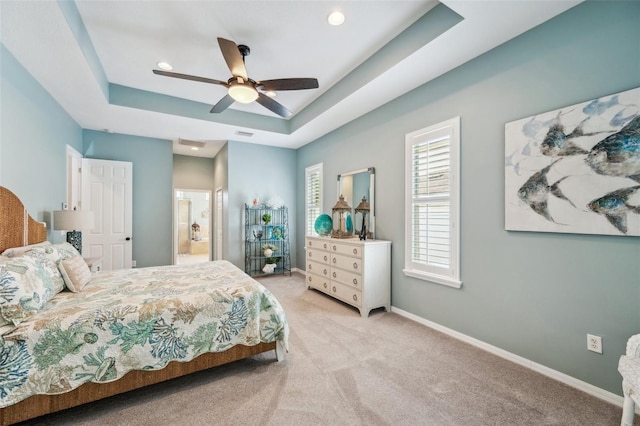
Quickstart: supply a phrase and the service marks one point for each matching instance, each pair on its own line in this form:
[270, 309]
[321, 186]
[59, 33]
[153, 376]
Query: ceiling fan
[243, 89]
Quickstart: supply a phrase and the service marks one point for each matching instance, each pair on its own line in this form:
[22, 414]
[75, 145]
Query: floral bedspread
[136, 319]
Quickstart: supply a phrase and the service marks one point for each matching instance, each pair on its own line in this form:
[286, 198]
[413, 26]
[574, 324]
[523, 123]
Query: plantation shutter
[430, 192]
[313, 193]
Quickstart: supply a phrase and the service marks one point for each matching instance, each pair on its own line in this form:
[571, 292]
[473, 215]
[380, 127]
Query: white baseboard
[549, 372]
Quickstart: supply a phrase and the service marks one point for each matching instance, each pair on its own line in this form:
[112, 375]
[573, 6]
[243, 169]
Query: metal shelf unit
[257, 233]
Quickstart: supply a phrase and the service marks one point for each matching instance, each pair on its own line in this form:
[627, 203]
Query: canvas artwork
[576, 169]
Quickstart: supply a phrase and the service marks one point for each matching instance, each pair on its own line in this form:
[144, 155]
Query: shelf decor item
[268, 250]
[266, 218]
[323, 225]
[274, 202]
[341, 213]
[257, 232]
[362, 210]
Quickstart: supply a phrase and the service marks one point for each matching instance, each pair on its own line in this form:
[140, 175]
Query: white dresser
[356, 272]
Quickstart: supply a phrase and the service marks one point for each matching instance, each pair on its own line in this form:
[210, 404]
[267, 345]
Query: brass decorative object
[361, 213]
[342, 221]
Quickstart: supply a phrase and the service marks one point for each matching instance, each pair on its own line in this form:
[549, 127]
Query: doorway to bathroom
[192, 226]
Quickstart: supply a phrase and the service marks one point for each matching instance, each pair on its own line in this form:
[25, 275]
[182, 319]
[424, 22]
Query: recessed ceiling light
[270, 94]
[165, 66]
[194, 148]
[335, 18]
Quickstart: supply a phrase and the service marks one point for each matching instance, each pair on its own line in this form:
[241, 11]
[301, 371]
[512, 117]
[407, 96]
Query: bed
[66, 341]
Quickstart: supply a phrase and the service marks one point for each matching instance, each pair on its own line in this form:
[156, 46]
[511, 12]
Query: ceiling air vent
[242, 133]
[192, 144]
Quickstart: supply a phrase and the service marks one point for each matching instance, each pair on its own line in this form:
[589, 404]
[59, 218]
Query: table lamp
[73, 221]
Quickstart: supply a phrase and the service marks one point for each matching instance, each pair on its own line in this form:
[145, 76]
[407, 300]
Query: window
[312, 196]
[432, 189]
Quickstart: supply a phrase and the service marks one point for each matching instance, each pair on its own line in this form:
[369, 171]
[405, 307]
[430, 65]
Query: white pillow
[75, 272]
[17, 251]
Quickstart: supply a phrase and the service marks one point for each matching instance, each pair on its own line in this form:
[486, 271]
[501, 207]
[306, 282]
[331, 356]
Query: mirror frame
[372, 192]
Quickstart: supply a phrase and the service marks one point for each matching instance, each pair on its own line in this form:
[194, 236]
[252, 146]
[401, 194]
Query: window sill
[438, 279]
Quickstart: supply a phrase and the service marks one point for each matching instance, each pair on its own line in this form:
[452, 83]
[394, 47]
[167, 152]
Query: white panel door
[107, 191]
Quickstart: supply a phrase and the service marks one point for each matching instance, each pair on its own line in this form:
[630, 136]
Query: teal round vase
[323, 225]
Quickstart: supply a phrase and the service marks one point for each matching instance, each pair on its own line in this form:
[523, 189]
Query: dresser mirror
[355, 185]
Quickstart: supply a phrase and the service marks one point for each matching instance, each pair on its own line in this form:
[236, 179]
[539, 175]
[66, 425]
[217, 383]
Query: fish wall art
[576, 169]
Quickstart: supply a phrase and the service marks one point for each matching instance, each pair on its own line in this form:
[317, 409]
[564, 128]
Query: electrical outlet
[594, 343]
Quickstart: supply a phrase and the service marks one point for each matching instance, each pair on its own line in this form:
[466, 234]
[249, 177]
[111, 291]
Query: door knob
[128, 238]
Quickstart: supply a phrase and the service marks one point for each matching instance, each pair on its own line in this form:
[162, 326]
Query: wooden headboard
[17, 228]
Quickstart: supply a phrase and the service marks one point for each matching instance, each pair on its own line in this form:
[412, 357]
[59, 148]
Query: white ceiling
[287, 39]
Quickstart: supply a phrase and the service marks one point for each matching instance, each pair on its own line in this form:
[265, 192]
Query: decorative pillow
[55, 252]
[25, 286]
[50, 272]
[18, 251]
[76, 273]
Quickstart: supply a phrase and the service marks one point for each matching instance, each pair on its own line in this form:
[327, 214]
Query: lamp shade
[71, 220]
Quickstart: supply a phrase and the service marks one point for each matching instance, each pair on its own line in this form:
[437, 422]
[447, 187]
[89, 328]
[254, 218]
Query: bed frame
[17, 228]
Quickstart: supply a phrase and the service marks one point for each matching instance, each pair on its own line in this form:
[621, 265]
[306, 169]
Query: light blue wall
[533, 294]
[34, 132]
[258, 169]
[152, 182]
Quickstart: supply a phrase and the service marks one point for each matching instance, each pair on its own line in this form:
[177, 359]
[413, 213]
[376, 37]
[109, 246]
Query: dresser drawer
[352, 264]
[349, 278]
[318, 255]
[349, 294]
[318, 268]
[317, 244]
[349, 250]
[319, 282]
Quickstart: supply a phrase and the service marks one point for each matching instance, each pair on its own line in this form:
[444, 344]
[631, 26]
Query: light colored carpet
[346, 370]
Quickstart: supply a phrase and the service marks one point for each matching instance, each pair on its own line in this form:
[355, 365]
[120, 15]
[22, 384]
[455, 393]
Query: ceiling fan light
[166, 66]
[243, 93]
[336, 18]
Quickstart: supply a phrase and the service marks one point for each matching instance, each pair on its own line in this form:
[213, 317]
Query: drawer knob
[324, 271]
[325, 257]
[355, 281]
[309, 267]
[309, 278]
[310, 254]
[334, 248]
[325, 285]
[355, 251]
[334, 275]
[355, 297]
[355, 265]
[334, 260]
[325, 245]
[310, 243]
[334, 288]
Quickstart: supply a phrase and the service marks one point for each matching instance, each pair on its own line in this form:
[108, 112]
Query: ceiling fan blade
[232, 56]
[191, 77]
[289, 84]
[272, 105]
[222, 104]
